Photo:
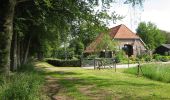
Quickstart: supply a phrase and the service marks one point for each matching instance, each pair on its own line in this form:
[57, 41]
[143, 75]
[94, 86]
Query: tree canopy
[151, 35]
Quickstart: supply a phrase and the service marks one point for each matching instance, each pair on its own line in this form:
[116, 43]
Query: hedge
[64, 63]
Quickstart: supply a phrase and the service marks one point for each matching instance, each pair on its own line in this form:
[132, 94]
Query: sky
[155, 11]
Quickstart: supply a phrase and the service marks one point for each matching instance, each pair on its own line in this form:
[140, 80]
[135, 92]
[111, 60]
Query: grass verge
[158, 72]
[26, 84]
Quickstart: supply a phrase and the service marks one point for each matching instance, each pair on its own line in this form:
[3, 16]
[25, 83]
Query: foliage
[150, 34]
[159, 72]
[42, 26]
[106, 43]
[163, 58]
[23, 85]
[64, 63]
[121, 57]
[78, 47]
[145, 57]
[64, 53]
[167, 35]
[157, 57]
[92, 56]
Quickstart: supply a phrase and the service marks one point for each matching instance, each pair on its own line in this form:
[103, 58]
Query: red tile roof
[122, 32]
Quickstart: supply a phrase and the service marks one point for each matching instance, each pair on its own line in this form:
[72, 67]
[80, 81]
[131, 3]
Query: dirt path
[52, 87]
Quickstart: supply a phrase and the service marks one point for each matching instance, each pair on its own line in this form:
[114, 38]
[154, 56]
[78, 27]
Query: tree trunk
[18, 53]
[14, 53]
[22, 52]
[27, 51]
[7, 8]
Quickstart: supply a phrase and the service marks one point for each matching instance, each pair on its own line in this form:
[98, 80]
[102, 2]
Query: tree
[106, 43]
[6, 31]
[44, 15]
[167, 35]
[151, 35]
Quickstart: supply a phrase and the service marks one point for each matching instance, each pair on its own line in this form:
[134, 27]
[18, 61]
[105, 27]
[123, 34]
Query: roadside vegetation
[158, 72]
[26, 84]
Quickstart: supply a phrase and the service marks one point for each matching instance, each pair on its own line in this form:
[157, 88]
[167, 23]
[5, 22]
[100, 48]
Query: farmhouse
[127, 40]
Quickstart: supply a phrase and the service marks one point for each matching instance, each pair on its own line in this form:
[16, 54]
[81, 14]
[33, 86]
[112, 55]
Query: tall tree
[150, 34]
[167, 35]
[6, 31]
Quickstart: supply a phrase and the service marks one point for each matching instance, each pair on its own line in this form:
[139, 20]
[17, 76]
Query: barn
[163, 49]
[127, 40]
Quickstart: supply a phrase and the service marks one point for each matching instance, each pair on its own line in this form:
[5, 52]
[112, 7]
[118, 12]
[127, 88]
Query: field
[68, 83]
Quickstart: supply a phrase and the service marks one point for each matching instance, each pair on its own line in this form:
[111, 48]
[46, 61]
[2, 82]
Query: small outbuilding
[164, 49]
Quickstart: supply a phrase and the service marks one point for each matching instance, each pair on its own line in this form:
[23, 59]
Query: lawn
[68, 83]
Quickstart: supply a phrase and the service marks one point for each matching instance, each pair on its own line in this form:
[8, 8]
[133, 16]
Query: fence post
[139, 69]
[115, 66]
[94, 63]
[128, 61]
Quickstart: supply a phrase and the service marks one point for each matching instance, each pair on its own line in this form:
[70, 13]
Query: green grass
[23, 85]
[83, 84]
[159, 72]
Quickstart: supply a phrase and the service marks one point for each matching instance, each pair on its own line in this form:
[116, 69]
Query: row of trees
[37, 28]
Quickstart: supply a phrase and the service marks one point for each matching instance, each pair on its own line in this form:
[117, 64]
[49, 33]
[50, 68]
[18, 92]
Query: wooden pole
[138, 70]
[128, 61]
[94, 63]
[115, 66]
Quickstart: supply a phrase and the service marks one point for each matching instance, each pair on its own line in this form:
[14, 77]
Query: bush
[158, 57]
[164, 58]
[121, 57]
[145, 57]
[64, 63]
[92, 56]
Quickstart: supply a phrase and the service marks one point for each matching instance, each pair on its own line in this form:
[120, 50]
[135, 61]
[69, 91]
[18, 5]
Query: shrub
[157, 57]
[164, 58]
[92, 56]
[64, 63]
[121, 57]
[145, 57]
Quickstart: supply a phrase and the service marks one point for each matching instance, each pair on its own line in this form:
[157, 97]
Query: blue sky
[156, 11]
